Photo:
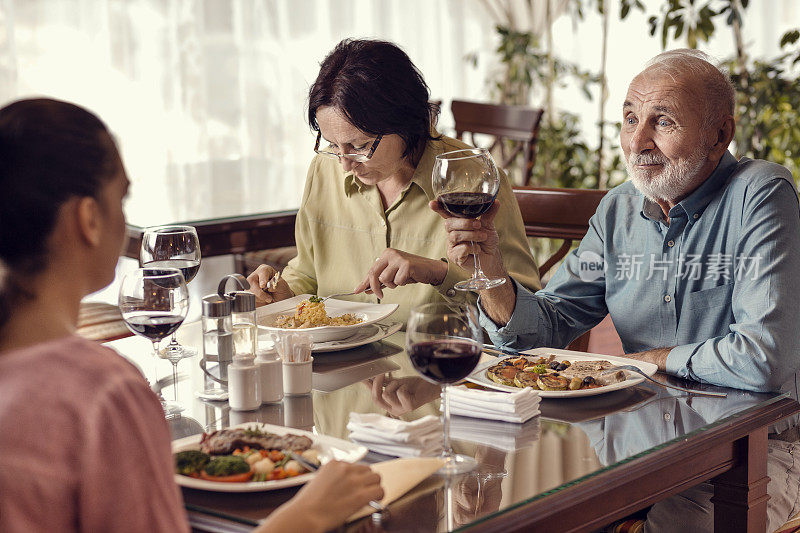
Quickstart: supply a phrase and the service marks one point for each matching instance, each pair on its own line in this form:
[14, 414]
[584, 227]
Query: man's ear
[723, 135]
[90, 221]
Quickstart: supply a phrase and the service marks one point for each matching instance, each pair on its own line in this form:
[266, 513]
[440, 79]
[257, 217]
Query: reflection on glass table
[574, 444]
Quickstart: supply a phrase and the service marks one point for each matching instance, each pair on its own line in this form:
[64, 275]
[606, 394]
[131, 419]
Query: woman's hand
[462, 232]
[401, 395]
[394, 268]
[338, 490]
[265, 293]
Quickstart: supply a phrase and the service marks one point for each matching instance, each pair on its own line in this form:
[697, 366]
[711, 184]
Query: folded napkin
[509, 407]
[399, 476]
[390, 436]
[505, 436]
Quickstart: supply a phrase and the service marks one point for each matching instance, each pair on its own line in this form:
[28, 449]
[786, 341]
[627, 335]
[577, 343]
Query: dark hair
[379, 90]
[50, 151]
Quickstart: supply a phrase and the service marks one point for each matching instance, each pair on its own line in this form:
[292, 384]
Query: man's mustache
[647, 159]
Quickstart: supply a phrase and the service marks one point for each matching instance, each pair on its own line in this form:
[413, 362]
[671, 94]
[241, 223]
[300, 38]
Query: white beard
[674, 180]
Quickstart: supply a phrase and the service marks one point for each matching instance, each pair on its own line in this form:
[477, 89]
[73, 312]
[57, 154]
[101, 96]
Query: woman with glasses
[364, 221]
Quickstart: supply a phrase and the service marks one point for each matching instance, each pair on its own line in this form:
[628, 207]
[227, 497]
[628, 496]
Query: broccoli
[227, 465]
[314, 299]
[190, 461]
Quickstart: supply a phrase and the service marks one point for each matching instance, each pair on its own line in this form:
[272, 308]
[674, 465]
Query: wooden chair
[559, 214]
[518, 124]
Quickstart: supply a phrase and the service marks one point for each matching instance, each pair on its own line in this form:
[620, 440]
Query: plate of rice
[323, 321]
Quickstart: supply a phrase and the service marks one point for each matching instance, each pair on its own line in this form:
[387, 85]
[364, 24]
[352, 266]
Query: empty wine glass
[172, 247]
[444, 344]
[153, 303]
[466, 182]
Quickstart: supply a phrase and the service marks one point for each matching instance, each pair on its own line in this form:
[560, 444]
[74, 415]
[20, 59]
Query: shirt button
[450, 293]
[695, 216]
[383, 223]
[671, 244]
[667, 298]
[667, 417]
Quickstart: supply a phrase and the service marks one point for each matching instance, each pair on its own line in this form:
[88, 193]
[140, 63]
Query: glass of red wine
[172, 247]
[465, 182]
[154, 303]
[444, 342]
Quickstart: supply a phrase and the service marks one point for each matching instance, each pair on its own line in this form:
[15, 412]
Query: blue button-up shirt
[718, 281]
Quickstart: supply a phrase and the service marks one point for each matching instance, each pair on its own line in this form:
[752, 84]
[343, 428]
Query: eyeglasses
[355, 156]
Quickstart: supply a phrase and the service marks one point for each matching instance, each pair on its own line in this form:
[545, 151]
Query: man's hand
[462, 232]
[657, 356]
[261, 286]
[394, 268]
[497, 303]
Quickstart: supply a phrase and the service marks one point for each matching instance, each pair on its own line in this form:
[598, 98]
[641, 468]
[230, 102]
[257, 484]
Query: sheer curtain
[207, 97]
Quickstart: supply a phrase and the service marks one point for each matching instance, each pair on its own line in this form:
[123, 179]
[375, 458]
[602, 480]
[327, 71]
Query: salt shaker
[271, 375]
[217, 342]
[243, 318]
[244, 387]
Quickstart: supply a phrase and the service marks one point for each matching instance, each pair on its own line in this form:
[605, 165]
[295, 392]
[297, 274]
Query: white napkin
[506, 436]
[390, 436]
[509, 407]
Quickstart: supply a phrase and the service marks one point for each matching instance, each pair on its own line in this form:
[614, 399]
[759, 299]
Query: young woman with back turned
[84, 445]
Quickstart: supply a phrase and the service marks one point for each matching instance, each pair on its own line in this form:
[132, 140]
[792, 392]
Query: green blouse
[342, 227]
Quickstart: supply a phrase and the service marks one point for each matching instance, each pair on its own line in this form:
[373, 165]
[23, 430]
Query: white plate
[369, 313]
[328, 447]
[479, 374]
[367, 334]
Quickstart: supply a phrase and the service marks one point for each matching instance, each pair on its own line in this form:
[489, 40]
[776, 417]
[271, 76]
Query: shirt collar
[694, 204]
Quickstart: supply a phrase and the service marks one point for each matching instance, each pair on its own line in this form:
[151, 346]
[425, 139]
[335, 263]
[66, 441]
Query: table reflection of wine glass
[444, 344]
[466, 182]
[172, 247]
[153, 303]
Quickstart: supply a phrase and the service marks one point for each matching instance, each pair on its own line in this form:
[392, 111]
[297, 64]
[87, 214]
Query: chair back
[558, 214]
[515, 130]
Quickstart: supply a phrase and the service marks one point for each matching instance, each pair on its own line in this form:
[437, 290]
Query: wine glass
[444, 342]
[153, 303]
[172, 247]
[466, 182]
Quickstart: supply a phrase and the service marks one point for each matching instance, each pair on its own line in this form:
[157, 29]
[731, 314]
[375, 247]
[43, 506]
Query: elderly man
[695, 259]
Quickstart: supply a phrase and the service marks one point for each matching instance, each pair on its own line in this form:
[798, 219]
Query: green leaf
[790, 37]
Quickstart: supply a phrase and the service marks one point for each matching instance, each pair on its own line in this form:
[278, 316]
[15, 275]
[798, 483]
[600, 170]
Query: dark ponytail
[50, 151]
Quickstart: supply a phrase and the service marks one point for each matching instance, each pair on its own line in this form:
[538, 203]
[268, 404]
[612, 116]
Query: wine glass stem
[174, 340]
[174, 380]
[477, 273]
[447, 451]
[155, 364]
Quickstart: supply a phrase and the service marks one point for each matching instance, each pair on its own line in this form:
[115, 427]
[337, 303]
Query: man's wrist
[657, 356]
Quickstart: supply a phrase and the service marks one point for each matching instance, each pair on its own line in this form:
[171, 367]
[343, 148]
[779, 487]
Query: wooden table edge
[594, 502]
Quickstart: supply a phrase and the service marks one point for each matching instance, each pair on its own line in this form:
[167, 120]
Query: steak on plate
[581, 369]
[225, 441]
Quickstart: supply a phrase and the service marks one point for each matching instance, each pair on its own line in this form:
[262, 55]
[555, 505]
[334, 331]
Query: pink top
[83, 444]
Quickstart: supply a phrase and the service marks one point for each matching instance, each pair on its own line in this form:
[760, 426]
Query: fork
[272, 283]
[639, 371]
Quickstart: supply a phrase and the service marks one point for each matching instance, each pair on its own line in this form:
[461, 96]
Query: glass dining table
[578, 466]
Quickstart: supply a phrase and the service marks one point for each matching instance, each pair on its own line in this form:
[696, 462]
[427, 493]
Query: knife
[489, 348]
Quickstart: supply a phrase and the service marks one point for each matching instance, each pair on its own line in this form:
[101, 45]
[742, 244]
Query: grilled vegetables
[551, 374]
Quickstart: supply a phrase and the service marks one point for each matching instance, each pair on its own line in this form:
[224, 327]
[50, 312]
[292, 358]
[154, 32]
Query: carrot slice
[233, 478]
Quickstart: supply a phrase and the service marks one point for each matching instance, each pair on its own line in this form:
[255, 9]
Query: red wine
[466, 204]
[445, 361]
[188, 267]
[152, 324]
